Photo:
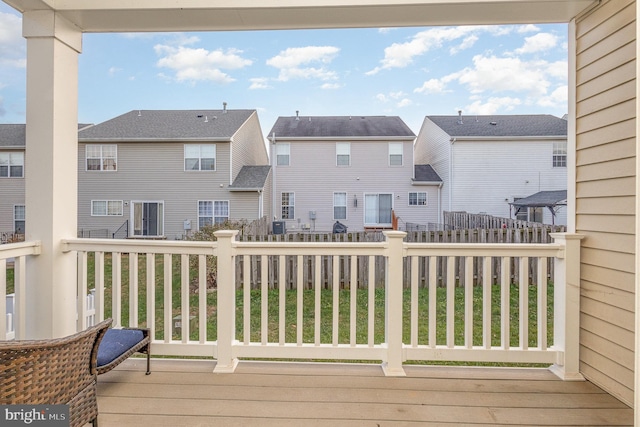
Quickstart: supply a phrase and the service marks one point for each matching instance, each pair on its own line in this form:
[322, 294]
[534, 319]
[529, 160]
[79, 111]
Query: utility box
[278, 227]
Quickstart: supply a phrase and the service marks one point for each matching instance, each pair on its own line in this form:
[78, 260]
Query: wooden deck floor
[187, 393]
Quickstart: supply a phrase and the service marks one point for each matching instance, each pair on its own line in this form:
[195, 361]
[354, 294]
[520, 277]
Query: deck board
[187, 393]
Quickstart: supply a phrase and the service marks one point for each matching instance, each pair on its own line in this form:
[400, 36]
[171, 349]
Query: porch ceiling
[207, 15]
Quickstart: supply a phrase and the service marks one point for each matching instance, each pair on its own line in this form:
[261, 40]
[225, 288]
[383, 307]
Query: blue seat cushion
[116, 342]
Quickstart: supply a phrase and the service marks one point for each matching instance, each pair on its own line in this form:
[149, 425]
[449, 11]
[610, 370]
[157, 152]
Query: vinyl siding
[432, 147]
[11, 194]
[248, 146]
[605, 193]
[155, 172]
[313, 176]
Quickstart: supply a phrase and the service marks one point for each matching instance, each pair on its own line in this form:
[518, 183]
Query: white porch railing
[166, 289]
[12, 325]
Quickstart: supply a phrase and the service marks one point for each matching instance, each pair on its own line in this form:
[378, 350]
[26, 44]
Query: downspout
[452, 140]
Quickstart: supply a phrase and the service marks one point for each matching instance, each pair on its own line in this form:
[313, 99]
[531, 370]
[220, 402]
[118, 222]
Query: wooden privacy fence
[464, 220]
[502, 235]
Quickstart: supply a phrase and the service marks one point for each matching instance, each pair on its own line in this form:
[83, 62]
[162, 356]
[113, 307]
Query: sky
[408, 72]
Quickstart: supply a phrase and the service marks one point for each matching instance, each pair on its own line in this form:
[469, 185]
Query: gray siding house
[489, 162]
[353, 170]
[165, 174]
[12, 156]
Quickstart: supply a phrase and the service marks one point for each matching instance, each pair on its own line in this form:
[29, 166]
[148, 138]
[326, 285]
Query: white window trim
[389, 154]
[9, 176]
[228, 210]
[288, 150]
[554, 147]
[346, 205]
[132, 204]
[22, 219]
[215, 158]
[348, 145]
[107, 207]
[282, 205]
[86, 158]
[364, 210]
[426, 198]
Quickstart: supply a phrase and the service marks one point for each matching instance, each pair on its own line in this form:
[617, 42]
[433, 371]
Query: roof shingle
[501, 125]
[340, 126]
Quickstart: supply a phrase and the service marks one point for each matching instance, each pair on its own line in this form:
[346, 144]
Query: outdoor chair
[118, 344]
[54, 371]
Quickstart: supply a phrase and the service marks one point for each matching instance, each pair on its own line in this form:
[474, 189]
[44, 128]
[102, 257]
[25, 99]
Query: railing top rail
[179, 247]
[486, 249]
[11, 250]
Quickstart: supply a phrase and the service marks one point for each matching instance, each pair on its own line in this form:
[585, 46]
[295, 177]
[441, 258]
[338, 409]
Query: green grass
[326, 310]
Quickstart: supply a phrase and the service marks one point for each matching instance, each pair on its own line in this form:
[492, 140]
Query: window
[339, 205]
[148, 218]
[377, 209]
[418, 198]
[220, 211]
[395, 154]
[343, 153]
[12, 164]
[529, 214]
[205, 213]
[106, 208]
[288, 205]
[283, 152]
[559, 154]
[101, 157]
[18, 219]
[199, 157]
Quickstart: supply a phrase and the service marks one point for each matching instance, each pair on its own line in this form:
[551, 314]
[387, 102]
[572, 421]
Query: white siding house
[488, 162]
[164, 174]
[12, 160]
[353, 170]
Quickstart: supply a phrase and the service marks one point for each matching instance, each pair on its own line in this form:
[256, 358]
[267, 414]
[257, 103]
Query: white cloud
[13, 51]
[259, 83]
[490, 73]
[492, 106]
[539, 43]
[382, 97]
[529, 28]
[432, 86]
[114, 70]
[558, 98]
[330, 86]
[200, 64]
[294, 62]
[400, 55]
[405, 102]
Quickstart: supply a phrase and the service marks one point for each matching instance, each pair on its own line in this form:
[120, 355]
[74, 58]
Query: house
[487, 163]
[12, 156]
[355, 170]
[602, 161]
[165, 174]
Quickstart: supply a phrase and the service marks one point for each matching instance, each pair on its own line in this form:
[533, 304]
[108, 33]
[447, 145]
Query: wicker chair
[55, 371]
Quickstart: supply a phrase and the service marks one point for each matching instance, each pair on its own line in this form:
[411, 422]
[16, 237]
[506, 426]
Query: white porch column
[392, 366]
[51, 174]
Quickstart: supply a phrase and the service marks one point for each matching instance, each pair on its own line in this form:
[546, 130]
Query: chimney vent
[297, 115]
[459, 117]
[224, 108]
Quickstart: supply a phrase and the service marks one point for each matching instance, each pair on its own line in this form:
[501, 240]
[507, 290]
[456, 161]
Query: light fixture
[355, 201]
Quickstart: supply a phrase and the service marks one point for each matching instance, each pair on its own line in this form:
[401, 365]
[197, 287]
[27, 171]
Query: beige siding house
[164, 174]
[489, 162]
[353, 170]
[606, 192]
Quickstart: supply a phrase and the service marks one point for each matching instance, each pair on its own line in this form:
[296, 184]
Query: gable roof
[502, 125]
[319, 127]
[250, 178]
[12, 135]
[425, 173]
[168, 125]
[15, 135]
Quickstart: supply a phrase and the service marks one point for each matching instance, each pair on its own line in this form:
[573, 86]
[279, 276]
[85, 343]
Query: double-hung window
[200, 157]
[101, 157]
[343, 153]
[395, 154]
[418, 198]
[212, 212]
[106, 207]
[288, 205]
[11, 164]
[283, 154]
[18, 219]
[339, 205]
[559, 154]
